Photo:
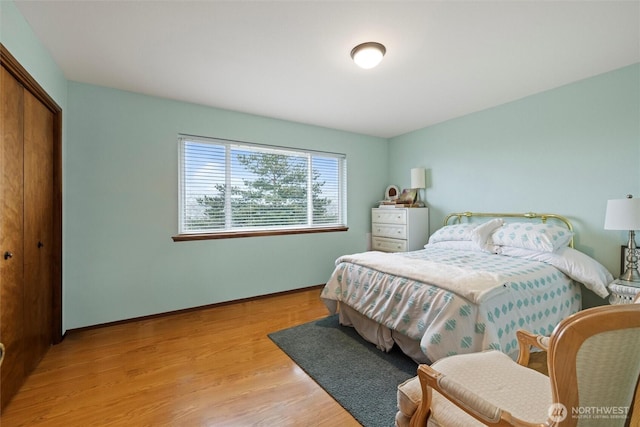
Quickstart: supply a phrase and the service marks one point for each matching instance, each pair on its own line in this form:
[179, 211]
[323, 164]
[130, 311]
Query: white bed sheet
[535, 297]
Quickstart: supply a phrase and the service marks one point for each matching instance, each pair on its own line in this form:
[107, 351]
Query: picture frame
[623, 256]
[408, 196]
[392, 193]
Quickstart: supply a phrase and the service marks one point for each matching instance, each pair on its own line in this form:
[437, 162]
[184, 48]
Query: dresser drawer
[388, 245]
[399, 229]
[393, 217]
[389, 230]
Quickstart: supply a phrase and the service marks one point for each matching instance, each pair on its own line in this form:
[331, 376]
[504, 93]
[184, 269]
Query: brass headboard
[529, 215]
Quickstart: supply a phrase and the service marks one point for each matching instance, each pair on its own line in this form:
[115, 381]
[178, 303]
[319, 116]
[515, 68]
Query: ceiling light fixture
[368, 55]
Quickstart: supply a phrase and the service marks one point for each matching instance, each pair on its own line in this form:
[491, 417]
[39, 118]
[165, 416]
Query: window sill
[238, 234]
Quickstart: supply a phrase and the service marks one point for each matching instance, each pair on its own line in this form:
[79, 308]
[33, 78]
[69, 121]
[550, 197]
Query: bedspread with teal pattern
[536, 297]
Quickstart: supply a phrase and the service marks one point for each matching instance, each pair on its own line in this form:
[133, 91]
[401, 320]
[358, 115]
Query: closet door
[11, 236]
[30, 224]
[38, 226]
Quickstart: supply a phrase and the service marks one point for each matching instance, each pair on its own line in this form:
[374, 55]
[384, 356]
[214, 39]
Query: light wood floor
[213, 367]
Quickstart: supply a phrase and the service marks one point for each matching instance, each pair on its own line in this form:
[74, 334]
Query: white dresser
[399, 229]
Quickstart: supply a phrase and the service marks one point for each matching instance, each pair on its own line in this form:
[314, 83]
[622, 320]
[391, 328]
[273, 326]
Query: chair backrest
[594, 365]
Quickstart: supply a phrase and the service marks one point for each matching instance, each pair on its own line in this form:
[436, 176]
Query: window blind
[236, 186]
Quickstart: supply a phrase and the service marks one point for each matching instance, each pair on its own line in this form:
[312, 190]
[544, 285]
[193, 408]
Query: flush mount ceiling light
[368, 55]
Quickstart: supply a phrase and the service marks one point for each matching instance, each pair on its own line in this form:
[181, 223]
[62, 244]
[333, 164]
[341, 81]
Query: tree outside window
[228, 186]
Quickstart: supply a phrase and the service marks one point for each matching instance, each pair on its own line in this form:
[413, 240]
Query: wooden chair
[593, 358]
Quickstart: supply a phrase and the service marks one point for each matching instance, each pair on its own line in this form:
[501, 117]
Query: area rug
[354, 372]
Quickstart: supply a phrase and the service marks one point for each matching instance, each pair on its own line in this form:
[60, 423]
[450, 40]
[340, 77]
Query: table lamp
[624, 214]
[418, 182]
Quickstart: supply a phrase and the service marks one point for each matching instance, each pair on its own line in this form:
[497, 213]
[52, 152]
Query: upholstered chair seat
[592, 359]
[491, 377]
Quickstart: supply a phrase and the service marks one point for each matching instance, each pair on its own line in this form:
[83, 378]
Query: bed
[475, 283]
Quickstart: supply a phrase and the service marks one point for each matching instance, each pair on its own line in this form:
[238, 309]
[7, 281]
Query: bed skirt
[383, 337]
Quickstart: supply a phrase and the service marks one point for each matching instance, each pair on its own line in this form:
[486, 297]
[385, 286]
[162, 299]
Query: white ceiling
[290, 59]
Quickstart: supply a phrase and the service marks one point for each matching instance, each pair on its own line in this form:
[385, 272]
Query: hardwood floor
[212, 367]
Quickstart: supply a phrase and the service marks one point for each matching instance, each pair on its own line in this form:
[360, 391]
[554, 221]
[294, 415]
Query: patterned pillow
[536, 237]
[456, 232]
[459, 245]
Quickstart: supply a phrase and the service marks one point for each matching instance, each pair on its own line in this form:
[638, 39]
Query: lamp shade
[622, 214]
[418, 178]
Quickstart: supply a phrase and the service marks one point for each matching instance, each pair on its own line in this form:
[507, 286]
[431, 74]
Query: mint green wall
[564, 151]
[16, 35]
[122, 209]
[567, 150]
[120, 199]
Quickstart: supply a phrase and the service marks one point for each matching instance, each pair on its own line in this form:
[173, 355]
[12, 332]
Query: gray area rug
[354, 372]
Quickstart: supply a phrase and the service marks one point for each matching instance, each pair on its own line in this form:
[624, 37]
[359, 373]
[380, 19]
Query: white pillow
[537, 237]
[455, 232]
[480, 235]
[575, 264]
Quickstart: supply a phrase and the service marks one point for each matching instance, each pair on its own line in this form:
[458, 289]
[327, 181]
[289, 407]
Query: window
[233, 189]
